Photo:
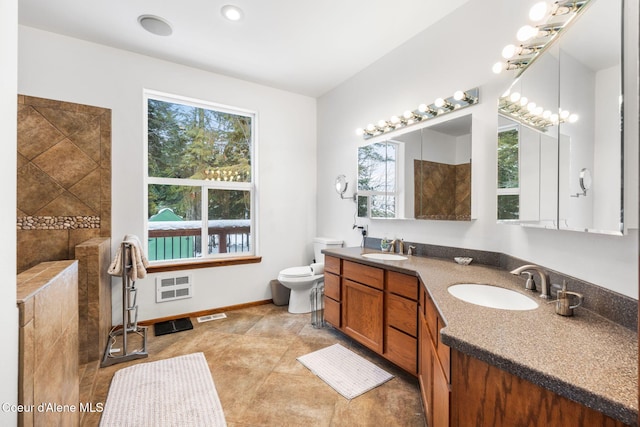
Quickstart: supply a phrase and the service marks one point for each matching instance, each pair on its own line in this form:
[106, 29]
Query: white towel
[135, 257]
[317, 268]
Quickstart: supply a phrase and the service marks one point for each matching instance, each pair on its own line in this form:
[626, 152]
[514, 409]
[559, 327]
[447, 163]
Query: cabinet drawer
[432, 319]
[402, 314]
[402, 350]
[402, 284]
[444, 353]
[370, 276]
[332, 312]
[423, 299]
[332, 286]
[332, 264]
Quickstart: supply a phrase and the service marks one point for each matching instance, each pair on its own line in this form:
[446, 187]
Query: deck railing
[183, 239]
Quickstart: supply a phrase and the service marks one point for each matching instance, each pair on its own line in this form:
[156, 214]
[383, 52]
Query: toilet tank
[320, 243]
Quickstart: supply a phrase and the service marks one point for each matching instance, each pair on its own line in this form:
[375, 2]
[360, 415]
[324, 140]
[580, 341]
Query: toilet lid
[296, 271]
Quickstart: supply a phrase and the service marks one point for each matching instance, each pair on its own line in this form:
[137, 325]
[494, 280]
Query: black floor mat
[171, 326]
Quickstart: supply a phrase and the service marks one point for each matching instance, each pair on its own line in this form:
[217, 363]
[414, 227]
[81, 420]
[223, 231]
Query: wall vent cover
[170, 288]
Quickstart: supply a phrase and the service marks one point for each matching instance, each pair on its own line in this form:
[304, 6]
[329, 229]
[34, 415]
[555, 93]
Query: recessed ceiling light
[231, 12]
[155, 25]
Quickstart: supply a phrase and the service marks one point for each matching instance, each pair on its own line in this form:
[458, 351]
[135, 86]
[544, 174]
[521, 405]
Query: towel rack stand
[129, 319]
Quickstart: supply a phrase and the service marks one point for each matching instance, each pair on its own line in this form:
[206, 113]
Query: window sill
[160, 268]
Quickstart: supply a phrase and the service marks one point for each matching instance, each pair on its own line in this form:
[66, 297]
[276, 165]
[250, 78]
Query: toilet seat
[294, 272]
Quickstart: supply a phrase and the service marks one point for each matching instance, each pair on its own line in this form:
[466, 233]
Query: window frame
[508, 191]
[396, 175]
[206, 259]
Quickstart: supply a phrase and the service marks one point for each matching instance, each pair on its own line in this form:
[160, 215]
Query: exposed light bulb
[514, 97]
[538, 111]
[564, 114]
[509, 51]
[498, 67]
[382, 124]
[554, 118]
[459, 95]
[546, 114]
[422, 108]
[526, 32]
[371, 127]
[524, 101]
[531, 106]
[359, 131]
[407, 114]
[395, 120]
[538, 11]
[573, 118]
[439, 102]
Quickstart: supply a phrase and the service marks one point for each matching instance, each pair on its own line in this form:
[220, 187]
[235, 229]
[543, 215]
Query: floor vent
[170, 288]
[211, 317]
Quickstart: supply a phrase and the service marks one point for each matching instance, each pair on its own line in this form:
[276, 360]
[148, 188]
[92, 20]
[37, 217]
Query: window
[377, 177]
[508, 173]
[200, 180]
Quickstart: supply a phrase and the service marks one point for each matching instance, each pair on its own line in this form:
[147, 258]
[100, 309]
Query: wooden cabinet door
[362, 315]
[441, 397]
[425, 368]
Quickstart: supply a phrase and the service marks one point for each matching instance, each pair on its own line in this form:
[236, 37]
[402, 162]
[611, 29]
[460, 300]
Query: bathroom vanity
[478, 365]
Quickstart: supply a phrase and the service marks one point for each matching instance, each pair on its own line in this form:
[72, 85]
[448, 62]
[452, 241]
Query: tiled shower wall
[64, 178]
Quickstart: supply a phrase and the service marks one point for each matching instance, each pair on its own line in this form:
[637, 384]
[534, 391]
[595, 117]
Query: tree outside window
[200, 184]
[508, 174]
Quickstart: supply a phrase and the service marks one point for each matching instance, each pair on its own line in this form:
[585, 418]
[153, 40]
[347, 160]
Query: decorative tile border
[57, 222]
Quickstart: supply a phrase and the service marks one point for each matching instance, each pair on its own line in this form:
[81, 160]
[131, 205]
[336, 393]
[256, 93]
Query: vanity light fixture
[522, 110]
[535, 37]
[441, 106]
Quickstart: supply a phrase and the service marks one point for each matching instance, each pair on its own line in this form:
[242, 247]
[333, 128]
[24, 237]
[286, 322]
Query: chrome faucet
[544, 278]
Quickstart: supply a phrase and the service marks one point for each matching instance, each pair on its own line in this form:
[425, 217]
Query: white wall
[457, 53]
[8, 164]
[63, 68]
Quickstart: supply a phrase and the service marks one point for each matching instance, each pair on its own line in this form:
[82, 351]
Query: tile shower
[64, 178]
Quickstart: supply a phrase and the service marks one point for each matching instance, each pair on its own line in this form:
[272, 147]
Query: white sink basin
[385, 257]
[492, 296]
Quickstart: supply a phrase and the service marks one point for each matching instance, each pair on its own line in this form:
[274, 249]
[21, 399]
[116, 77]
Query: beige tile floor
[252, 356]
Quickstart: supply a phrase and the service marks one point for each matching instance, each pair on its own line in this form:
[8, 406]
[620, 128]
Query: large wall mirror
[560, 146]
[422, 174]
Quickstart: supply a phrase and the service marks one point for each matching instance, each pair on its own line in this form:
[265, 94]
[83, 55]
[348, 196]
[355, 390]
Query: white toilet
[301, 279]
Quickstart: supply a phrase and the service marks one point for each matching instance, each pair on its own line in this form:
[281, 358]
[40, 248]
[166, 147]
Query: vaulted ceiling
[303, 46]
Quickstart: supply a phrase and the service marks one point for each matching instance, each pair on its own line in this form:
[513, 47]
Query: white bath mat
[346, 372]
[171, 392]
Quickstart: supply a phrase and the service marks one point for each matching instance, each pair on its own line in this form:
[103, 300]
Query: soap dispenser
[563, 303]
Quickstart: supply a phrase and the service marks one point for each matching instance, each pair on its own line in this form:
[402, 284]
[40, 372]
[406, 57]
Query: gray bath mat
[346, 372]
[171, 392]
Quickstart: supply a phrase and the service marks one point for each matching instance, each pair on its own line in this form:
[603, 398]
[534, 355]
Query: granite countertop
[585, 358]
